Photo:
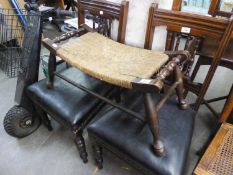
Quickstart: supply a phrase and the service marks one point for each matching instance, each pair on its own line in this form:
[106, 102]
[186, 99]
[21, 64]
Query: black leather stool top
[131, 140]
[66, 103]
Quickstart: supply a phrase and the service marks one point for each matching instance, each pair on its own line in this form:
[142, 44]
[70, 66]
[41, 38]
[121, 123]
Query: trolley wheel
[19, 123]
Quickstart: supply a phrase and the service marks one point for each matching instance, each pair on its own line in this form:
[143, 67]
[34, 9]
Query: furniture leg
[180, 89]
[51, 70]
[228, 107]
[206, 84]
[152, 117]
[194, 74]
[170, 41]
[80, 143]
[98, 155]
[43, 115]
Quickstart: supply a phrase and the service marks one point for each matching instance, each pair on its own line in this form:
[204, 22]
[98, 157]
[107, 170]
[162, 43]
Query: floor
[55, 153]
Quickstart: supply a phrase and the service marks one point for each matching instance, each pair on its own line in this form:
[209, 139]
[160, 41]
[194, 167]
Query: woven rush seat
[111, 61]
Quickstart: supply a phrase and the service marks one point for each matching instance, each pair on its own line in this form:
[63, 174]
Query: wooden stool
[218, 159]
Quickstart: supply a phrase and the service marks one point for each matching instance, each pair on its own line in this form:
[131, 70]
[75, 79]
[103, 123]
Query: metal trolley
[20, 44]
[17, 34]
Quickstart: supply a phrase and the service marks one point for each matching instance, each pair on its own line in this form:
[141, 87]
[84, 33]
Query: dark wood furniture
[214, 34]
[104, 14]
[71, 107]
[177, 4]
[228, 107]
[214, 9]
[218, 158]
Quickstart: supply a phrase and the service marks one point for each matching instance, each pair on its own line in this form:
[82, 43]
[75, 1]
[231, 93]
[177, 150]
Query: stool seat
[108, 60]
[131, 139]
[66, 103]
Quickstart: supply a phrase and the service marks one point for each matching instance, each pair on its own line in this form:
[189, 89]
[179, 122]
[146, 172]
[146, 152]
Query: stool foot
[159, 148]
[183, 105]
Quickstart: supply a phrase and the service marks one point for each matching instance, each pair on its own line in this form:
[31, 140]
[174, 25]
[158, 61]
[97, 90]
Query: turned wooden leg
[51, 70]
[43, 115]
[152, 117]
[98, 155]
[180, 89]
[79, 140]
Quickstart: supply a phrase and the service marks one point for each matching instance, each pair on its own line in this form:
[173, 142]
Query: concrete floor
[54, 153]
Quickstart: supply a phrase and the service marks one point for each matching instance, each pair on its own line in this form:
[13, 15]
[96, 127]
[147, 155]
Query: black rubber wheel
[18, 122]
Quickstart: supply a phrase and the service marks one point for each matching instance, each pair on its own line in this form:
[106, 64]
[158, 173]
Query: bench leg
[98, 155]
[80, 143]
[51, 70]
[180, 89]
[43, 115]
[152, 118]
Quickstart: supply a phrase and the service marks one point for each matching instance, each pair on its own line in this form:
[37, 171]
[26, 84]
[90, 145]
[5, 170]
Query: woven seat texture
[111, 61]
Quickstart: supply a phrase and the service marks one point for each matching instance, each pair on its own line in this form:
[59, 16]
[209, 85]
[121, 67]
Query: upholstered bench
[131, 139]
[67, 104]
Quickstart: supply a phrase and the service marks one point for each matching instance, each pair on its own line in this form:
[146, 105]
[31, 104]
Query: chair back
[215, 9]
[188, 25]
[102, 14]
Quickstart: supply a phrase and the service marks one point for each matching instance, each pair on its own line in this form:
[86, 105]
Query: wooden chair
[103, 15]
[214, 9]
[218, 157]
[71, 107]
[209, 44]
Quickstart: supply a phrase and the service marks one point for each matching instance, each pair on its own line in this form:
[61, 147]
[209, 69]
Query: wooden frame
[107, 10]
[177, 4]
[214, 9]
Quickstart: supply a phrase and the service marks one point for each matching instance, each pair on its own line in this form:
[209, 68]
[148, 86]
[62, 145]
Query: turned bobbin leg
[80, 143]
[180, 88]
[51, 70]
[152, 117]
[98, 155]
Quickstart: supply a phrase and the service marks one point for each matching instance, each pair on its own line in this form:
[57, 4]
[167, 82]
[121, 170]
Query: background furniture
[228, 107]
[218, 157]
[210, 51]
[215, 9]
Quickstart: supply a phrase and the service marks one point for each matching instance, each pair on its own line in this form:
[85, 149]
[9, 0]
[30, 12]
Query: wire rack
[16, 38]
